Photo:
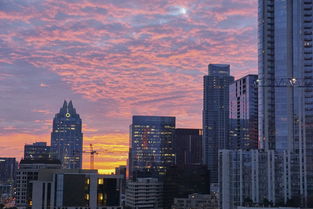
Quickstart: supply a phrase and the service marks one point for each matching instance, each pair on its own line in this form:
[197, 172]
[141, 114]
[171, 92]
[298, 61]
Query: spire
[71, 108]
[63, 110]
[70, 105]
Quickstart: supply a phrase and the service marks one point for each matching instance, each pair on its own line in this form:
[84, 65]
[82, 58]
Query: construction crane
[92, 156]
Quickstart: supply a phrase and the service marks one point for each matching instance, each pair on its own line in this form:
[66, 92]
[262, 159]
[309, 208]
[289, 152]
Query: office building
[67, 137]
[188, 146]
[243, 113]
[28, 172]
[197, 201]
[151, 146]
[37, 150]
[215, 115]
[183, 180]
[8, 167]
[144, 193]
[285, 87]
[75, 188]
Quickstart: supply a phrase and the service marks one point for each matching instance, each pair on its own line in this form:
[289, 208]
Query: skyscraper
[67, 137]
[215, 115]
[8, 167]
[243, 113]
[151, 146]
[285, 87]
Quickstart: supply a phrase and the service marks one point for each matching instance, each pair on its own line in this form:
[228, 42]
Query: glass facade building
[215, 115]
[67, 137]
[151, 146]
[188, 146]
[37, 150]
[243, 113]
[285, 87]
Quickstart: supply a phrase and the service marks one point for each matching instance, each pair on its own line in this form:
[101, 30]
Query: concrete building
[151, 146]
[215, 115]
[145, 193]
[67, 137]
[28, 172]
[243, 113]
[74, 188]
[196, 201]
[37, 150]
[257, 178]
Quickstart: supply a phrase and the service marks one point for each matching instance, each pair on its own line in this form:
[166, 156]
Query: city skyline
[141, 71]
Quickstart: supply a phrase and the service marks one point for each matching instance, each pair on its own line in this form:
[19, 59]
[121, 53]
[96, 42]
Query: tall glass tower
[151, 146]
[285, 87]
[67, 137]
[215, 115]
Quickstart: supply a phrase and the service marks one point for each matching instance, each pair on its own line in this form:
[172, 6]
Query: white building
[144, 193]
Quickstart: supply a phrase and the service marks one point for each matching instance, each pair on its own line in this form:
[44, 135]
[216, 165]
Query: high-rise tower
[243, 113]
[151, 146]
[67, 137]
[215, 115]
[285, 87]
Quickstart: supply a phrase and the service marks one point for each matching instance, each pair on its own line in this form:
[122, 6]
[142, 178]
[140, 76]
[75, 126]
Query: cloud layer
[115, 58]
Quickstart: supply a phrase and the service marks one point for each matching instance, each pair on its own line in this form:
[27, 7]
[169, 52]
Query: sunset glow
[114, 59]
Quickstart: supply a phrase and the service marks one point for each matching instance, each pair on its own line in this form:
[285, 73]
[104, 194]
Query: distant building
[215, 115]
[28, 172]
[197, 201]
[243, 113]
[74, 188]
[181, 181]
[144, 193]
[8, 167]
[151, 146]
[188, 146]
[67, 137]
[37, 150]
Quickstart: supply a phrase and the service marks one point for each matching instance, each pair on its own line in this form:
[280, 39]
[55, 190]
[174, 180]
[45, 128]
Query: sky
[114, 59]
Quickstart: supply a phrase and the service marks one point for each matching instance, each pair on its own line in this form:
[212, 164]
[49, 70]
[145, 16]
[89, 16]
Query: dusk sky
[114, 59]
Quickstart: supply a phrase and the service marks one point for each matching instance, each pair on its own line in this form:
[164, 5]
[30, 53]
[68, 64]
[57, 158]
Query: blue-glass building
[243, 113]
[37, 150]
[151, 146]
[285, 89]
[215, 115]
[67, 137]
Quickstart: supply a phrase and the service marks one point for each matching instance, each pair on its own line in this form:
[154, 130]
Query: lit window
[100, 181]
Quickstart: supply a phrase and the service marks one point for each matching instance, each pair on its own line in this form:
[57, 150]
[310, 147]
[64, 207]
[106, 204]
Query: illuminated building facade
[215, 115]
[243, 113]
[67, 137]
[151, 146]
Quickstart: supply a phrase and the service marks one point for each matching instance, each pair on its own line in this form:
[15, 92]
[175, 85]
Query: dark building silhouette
[181, 181]
[67, 137]
[188, 146]
[243, 113]
[151, 146]
[215, 115]
[37, 150]
[8, 167]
